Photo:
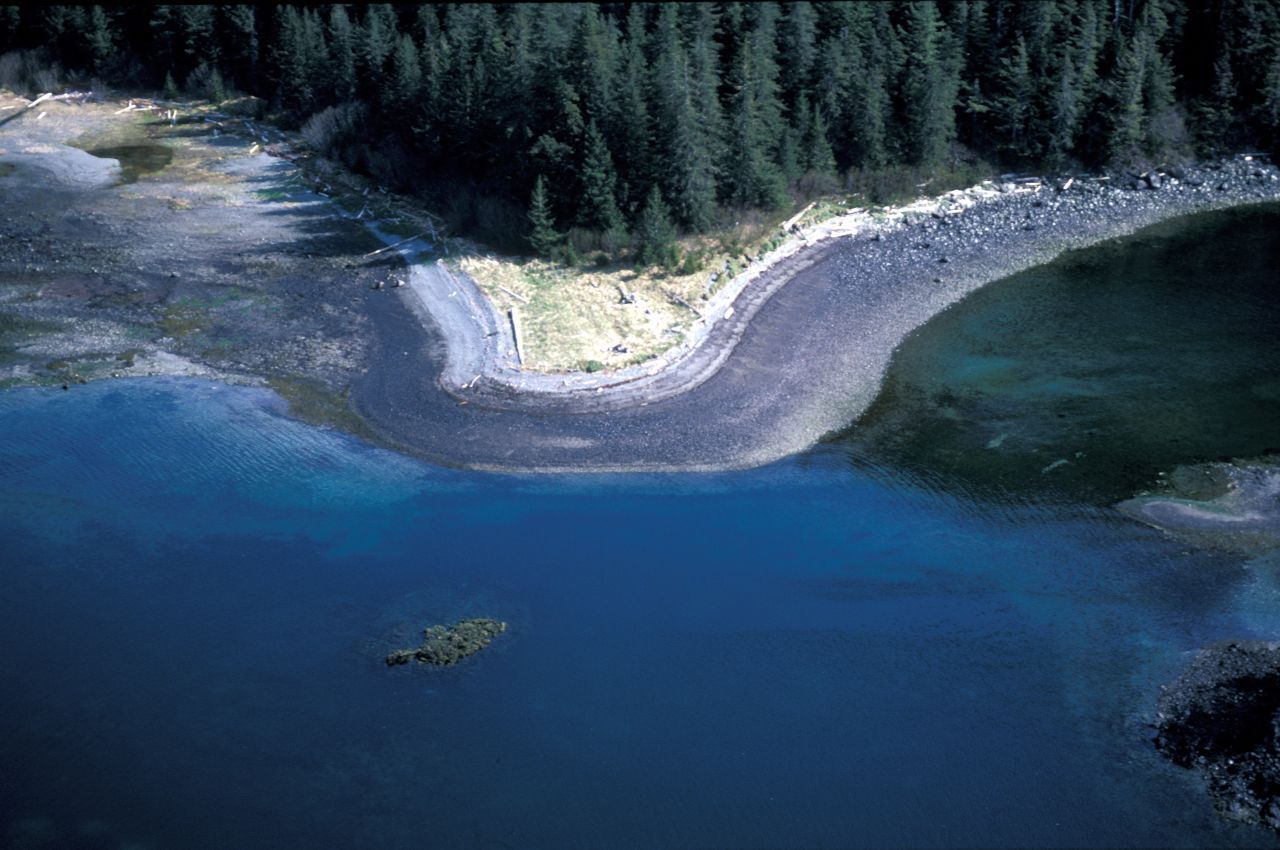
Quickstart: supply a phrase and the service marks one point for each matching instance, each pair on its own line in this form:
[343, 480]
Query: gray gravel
[796, 362]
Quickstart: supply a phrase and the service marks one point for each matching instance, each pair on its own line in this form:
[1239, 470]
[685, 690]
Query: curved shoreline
[769, 376]
[792, 351]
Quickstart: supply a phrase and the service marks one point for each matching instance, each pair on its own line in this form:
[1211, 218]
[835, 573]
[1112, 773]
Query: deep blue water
[198, 593]
[926, 634]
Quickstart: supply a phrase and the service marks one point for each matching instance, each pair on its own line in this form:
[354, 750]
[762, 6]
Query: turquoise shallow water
[1087, 378]
[848, 648]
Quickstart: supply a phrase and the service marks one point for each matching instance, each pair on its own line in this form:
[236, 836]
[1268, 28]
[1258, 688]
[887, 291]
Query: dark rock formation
[445, 645]
[1222, 719]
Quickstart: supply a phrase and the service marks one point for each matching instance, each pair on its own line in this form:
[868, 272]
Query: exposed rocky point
[445, 645]
[1221, 718]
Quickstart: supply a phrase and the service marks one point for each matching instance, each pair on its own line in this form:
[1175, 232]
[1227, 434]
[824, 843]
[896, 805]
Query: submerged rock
[445, 645]
[1222, 719]
[1224, 505]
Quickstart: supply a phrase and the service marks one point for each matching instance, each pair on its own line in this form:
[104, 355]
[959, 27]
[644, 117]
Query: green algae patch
[136, 159]
[181, 321]
[446, 645]
[316, 405]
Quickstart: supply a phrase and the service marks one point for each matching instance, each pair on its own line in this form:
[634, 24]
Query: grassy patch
[179, 321]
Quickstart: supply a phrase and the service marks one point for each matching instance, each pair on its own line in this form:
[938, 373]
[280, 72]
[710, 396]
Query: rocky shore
[1015, 224]
[227, 264]
[799, 353]
[1221, 718]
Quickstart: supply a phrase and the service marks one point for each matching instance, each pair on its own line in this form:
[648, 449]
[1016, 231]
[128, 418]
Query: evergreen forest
[632, 121]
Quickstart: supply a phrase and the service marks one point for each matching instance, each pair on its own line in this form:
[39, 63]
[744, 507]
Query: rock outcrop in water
[1222, 719]
[1233, 506]
[445, 645]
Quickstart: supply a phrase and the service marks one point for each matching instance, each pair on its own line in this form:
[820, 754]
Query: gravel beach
[801, 354]
[226, 264]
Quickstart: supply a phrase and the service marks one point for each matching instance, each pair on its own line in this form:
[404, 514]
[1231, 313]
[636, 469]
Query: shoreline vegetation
[841, 294]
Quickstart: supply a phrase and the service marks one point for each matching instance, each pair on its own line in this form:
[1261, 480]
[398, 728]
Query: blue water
[198, 592]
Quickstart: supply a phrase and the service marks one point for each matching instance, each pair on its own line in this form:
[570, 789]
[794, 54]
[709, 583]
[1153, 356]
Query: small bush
[206, 82]
[693, 262]
[584, 241]
[569, 255]
[500, 222]
[28, 72]
[333, 128]
[11, 71]
[615, 242]
[592, 366]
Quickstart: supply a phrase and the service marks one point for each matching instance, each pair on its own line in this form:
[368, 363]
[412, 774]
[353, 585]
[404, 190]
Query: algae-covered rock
[445, 645]
[1222, 719]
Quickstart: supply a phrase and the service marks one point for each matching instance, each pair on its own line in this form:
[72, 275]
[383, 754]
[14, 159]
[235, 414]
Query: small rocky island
[445, 645]
[1222, 719]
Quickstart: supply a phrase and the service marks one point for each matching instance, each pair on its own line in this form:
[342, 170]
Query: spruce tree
[752, 178]
[654, 233]
[99, 39]
[598, 208]
[238, 36]
[342, 49]
[1125, 113]
[592, 57]
[1063, 112]
[817, 155]
[928, 85]
[377, 40]
[1011, 101]
[684, 144]
[404, 82]
[635, 135]
[543, 237]
[197, 34]
[799, 36]
[1269, 108]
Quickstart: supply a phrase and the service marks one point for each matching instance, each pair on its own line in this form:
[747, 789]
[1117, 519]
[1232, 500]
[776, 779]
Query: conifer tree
[197, 31]
[1064, 111]
[798, 34]
[751, 177]
[598, 207]
[684, 144]
[405, 80]
[99, 39]
[635, 136]
[238, 36]
[377, 40]
[1011, 101]
[1215, 113]
[1126, 117]
[817, 155]
[928, 86]
[654, 233]
[1269, 108]
[593, 59]
[543, 237]
[343, 53]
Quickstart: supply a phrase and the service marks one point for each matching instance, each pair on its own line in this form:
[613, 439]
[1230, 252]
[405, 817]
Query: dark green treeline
[631, 113]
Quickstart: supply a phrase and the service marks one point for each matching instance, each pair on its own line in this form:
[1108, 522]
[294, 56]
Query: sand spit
[225, 263]
[795, 350]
